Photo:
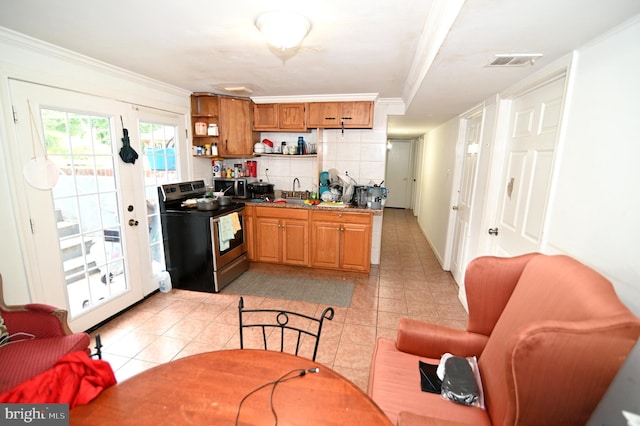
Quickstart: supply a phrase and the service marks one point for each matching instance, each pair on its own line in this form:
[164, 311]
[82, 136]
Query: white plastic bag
[164, 282]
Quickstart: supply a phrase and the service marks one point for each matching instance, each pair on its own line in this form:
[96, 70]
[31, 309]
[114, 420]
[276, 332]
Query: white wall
[436, 183]
[596, 202]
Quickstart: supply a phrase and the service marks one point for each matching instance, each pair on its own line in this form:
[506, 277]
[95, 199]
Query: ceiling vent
[514, 59]
[240, 89]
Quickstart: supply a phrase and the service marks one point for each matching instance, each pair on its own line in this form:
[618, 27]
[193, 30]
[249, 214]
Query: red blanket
[75, 379]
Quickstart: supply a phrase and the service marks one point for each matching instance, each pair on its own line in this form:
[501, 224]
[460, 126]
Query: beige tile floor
[408, 283]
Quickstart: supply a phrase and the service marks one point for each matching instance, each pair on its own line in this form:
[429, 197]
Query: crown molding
[350, 97]
[21, 41]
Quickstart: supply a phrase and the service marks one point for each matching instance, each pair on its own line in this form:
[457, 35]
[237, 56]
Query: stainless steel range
[204, 250]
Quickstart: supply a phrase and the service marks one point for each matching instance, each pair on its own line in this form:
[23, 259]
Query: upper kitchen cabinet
[205, 111]
[236, 128]
[287, 117]
[233, 119]
[336, 115]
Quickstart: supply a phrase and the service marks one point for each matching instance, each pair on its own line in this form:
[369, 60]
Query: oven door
[229, 248]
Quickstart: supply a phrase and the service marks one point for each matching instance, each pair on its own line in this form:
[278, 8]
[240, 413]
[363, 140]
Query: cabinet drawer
[282, 213]
[343, 217]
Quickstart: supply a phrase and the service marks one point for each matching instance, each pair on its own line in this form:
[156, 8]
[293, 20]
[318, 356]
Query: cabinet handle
[329, 118]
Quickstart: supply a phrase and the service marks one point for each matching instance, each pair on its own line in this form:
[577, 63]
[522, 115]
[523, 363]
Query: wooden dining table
[209, 388]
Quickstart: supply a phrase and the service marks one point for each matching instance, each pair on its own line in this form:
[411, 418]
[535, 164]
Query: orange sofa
[549, 334]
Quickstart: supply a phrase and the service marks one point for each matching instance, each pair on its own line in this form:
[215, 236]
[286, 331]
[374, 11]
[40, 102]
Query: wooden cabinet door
[357, 115]
[249, 232]
[268, 245]
[295, 242]
[324, 114]
[265, 117]
[325, 244]
[355, 247]
[236, 131]
[292, 116]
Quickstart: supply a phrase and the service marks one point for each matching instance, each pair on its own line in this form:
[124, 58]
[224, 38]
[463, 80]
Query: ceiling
[426, 57]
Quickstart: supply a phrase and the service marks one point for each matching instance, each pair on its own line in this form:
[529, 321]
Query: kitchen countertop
[375, 212]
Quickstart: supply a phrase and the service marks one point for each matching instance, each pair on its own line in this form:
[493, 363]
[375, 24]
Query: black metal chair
[273, 319]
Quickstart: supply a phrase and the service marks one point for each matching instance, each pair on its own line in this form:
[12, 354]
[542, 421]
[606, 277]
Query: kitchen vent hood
[514, 59]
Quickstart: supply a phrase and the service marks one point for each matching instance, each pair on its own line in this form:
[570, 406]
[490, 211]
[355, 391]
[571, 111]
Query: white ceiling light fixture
[283, 29]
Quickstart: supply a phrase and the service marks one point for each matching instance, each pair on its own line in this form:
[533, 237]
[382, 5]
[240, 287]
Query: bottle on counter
[300, 145]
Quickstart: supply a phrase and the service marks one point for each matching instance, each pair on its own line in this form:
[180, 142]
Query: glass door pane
[158, 143]
[86, 206]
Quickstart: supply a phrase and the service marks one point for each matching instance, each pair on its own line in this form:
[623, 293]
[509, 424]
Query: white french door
[88, 249]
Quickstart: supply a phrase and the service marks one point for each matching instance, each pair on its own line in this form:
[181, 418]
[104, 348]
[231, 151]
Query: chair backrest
[557, 346]
[275, 325]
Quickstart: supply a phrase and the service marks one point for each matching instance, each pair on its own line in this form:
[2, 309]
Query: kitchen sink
[295, 201]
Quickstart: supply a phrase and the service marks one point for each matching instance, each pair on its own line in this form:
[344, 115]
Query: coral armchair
[38, 335]
[549, 333]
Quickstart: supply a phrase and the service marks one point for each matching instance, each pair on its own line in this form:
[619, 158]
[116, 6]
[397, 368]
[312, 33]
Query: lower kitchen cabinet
[341, 240]
[249, 234]
[282, 236]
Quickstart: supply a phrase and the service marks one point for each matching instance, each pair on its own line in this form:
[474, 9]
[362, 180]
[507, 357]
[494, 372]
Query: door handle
[133, 222]
[454, 208]
[493, 231]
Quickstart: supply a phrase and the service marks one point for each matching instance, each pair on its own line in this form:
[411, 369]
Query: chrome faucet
[294, 184]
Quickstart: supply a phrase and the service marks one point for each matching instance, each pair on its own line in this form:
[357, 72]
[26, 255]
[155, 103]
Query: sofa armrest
[432, 340]
[411, 419]
[38, 319]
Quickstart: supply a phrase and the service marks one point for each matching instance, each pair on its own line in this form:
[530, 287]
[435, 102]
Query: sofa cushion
[394, 383]
[41, 355]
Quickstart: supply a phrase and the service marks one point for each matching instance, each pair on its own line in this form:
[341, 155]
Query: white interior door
[87, 232]
[398, 175]
[533, 132]
[462, 209]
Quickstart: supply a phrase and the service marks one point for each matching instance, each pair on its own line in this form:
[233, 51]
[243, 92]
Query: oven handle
[217, 219]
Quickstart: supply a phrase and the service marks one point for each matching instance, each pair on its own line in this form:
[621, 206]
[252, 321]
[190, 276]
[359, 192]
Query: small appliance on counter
[261, 190]
[233, 187]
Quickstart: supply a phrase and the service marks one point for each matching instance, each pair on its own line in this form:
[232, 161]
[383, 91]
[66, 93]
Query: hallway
[408, 283]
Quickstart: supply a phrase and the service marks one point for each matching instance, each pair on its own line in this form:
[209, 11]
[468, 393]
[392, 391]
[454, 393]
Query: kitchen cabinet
[335, 115]
[282, 236]
[236, 130]
[205, 108]
[249, 233]
[288, 117]
[233, 116]
[341, 240]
